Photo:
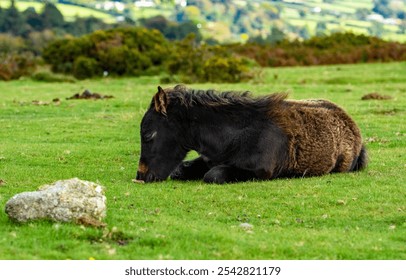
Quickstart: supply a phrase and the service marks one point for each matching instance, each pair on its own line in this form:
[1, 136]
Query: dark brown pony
[241, 138]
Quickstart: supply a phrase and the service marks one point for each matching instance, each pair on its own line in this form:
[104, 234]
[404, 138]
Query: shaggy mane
[211, 98]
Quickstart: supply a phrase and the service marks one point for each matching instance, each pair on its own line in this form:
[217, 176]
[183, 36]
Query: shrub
[11, 44]
[85, 67]
[333, 49]
[49, 77]
[15, 60]
[13, 66]
[61, 54]
[122, 60]
[202, 63]
[120, 51]
[218, 69]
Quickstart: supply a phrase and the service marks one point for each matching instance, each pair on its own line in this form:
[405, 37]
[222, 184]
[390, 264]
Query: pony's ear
[161, 101]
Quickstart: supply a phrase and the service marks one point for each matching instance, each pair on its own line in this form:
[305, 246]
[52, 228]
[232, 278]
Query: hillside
[356, 16]
[69, 11]
[239, 20]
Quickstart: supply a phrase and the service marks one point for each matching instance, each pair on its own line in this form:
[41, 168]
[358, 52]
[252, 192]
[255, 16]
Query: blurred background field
[240, 20]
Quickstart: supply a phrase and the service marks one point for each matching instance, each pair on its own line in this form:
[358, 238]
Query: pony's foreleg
[190, 170]
[221, 174]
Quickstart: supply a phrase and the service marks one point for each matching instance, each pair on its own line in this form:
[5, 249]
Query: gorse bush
[121, 51]
[85, 67]
[139, 51]
[202, 63]
[219, 69]
[337, 48]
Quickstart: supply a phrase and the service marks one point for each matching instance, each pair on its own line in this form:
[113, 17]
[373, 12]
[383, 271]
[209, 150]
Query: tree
[276, 35]
[51, 16]
[13, 21]
[158, 22]
[33, 19]
[382, 7]
[362, 13]
[304, 32]
[402, 27]
[377, 29]
[1, 18]
[321, 28]
[172, 30]
[82, 26]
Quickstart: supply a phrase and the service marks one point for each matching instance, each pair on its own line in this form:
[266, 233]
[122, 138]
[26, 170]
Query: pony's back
[322, 137]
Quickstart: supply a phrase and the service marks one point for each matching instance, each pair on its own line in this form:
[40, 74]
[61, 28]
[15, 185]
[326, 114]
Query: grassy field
[338, 16]
[341, 216]
[69, 12]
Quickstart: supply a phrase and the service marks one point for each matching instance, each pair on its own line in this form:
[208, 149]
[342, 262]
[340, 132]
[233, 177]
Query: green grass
[341, 216]
[69, 12]
[346, 22]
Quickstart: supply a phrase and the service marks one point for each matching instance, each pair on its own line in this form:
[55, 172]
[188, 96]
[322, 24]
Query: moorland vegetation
[89, 47]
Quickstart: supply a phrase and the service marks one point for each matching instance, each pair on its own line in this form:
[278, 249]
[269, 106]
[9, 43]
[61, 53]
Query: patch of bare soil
[91, 222]
[55, 102]
[375, 96]
[89, 95]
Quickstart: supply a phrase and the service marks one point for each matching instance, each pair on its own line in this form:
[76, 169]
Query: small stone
[138, 181]
[246, 226]
[72, 200]
[341, 202]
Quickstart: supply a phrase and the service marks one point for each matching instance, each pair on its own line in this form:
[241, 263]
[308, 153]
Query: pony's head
[161, 140]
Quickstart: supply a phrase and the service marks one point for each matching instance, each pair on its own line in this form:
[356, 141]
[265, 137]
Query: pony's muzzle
[141, 173]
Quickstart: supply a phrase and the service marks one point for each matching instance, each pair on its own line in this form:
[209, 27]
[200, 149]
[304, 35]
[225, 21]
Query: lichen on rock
[65, 201]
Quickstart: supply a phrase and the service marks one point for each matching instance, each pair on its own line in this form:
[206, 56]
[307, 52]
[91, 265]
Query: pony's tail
[361, 161]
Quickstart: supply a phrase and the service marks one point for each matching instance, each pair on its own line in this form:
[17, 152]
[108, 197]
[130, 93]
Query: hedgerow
[118, 52]
[139, 51]
[337, 48]
[203, 63]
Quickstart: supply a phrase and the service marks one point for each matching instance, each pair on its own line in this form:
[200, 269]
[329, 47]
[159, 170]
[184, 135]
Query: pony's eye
[150, 136]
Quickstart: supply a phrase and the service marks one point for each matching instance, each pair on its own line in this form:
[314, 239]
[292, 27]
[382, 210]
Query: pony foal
[240, 138]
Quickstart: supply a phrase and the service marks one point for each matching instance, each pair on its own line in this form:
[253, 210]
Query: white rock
[64, 200]
[246, 226]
